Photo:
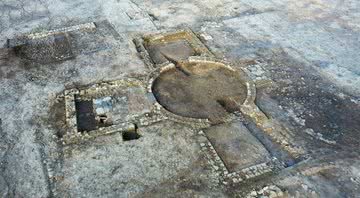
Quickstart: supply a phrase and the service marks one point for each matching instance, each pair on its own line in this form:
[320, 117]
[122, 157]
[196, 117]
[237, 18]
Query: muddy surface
[180, 50]
[197, 90]
[314, 105]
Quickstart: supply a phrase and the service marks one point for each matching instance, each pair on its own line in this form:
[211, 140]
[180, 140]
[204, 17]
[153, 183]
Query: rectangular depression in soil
[85, 116]
[177, 45]
[46, 49]
[48, 46]
[179, 50]
[64, 43]
[236, 146]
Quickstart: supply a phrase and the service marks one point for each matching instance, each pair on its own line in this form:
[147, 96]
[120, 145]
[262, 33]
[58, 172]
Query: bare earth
[302, 55]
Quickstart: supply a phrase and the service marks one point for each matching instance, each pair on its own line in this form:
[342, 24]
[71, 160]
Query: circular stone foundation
[200, 89]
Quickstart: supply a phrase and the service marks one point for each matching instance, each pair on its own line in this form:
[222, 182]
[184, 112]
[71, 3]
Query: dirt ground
[303, 57]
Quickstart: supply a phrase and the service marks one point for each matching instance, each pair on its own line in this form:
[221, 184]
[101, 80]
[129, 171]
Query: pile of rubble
[271, 191]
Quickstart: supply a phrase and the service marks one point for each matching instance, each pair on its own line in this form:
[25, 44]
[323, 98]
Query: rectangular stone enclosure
[104, 108]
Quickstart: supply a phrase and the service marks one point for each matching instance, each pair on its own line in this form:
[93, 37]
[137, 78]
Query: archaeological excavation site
[183, 98]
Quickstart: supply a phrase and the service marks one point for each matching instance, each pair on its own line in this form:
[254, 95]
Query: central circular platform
[200, 89]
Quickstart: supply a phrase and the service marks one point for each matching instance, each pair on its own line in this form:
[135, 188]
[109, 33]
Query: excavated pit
[203, 90]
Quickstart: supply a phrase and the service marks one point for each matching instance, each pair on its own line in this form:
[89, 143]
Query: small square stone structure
[236, 146]
[104, 108]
